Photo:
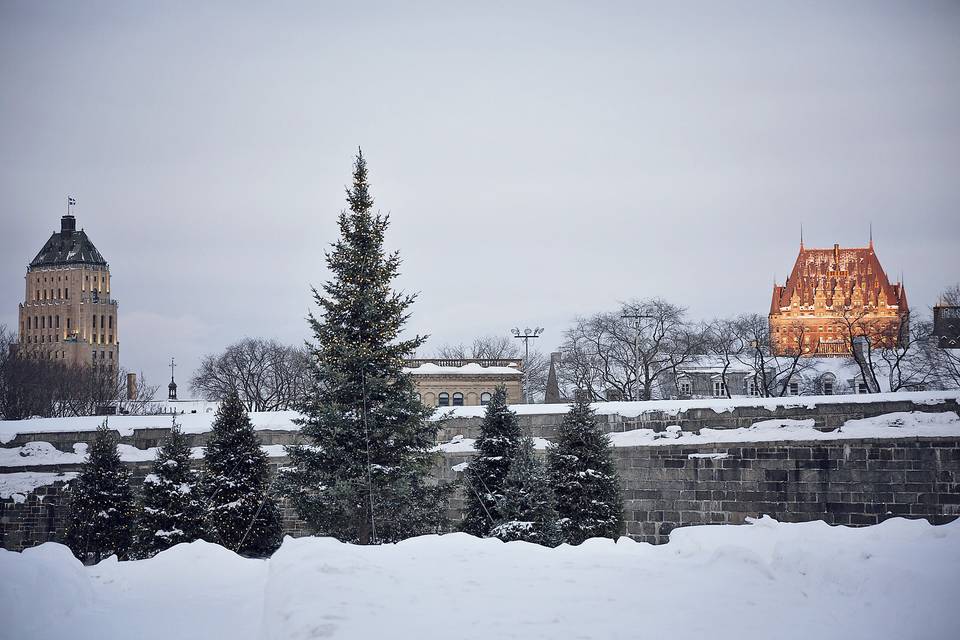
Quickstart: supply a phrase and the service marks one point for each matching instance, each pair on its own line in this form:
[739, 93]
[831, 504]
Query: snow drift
[893, 580]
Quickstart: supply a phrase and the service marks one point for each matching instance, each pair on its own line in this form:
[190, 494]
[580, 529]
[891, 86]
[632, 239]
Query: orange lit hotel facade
[833, 295]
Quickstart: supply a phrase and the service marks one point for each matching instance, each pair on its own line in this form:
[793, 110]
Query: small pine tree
[171, 505]
[362, 473]
[584, 478]
[242, 515]
[102, 504]
[526, 506]
[498, 444]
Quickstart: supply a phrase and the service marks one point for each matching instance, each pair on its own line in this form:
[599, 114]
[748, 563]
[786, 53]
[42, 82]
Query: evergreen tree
[584, 478]
[242, 515]
[101, 507]
[526, 505]
[171, 504]
[498, 444]
[361, 473]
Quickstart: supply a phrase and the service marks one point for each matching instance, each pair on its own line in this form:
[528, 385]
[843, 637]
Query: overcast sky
[539, 160]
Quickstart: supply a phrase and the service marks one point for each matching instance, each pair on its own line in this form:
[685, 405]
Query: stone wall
[852, 482]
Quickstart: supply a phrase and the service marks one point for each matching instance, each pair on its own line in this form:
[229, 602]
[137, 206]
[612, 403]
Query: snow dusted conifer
[242, 515]
[526, 505]
[171, 504]
[584, 478]
[102, 504]
[362, 473]
[484, 478]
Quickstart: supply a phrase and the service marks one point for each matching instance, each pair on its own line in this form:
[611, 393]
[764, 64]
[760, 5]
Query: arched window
[443, 400]
[458, 399]
[485, 398]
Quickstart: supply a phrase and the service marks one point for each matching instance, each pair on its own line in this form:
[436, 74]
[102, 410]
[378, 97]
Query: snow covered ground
[897, 579]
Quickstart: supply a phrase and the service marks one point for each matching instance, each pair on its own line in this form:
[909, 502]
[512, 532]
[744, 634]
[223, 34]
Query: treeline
[37, 387]
[641, 349]
[229, 502]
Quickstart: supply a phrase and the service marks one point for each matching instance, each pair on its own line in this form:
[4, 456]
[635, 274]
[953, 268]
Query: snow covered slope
[772, 580]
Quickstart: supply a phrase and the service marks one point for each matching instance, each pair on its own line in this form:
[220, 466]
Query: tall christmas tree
[171, 504]
[526, 505]
[242, 515]
[497, 446]
[102, 505]
[361, 474]
[584, 478]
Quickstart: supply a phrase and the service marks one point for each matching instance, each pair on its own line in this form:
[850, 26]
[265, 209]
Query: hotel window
[485, 398]
[66, 294]
[68, 324]
[458, 399]
[443, 400]
[43, 322]
[58, 322]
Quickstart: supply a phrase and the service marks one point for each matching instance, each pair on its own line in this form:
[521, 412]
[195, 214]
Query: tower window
[110, 323]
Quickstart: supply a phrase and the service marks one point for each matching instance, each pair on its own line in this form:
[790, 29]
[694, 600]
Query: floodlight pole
[526, 335]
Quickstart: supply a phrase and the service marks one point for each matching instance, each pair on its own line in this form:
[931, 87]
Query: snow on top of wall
[18, 485]
[902, 424]
[284, 420]
[39, 453]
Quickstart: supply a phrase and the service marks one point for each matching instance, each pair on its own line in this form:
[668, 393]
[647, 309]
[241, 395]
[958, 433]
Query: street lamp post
[526, 335]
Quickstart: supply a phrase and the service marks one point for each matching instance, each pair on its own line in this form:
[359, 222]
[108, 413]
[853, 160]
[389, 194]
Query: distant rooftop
[68, 247]
[464, 366]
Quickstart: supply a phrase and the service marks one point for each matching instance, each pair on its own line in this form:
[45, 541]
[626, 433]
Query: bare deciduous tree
[267, 375]
[625, 353]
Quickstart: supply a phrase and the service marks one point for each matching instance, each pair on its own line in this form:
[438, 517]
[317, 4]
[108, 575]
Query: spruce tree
[242, 515]
[526, 504]
[484, 478]
[584, 478]
[102, 504]
[361, 472]
[171, 504]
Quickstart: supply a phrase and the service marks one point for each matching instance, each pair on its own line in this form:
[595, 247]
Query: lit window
[443, 400]
[485, 398]
[458, 399]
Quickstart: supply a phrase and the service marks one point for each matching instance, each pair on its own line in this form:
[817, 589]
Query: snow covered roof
[68, 246]
[472, 369]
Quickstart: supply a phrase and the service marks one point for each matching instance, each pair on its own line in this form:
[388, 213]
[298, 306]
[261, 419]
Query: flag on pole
[71, 201]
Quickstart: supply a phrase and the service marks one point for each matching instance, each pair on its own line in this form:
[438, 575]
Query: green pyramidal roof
[68, 246]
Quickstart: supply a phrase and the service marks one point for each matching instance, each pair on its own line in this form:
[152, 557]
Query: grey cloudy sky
[539, 160]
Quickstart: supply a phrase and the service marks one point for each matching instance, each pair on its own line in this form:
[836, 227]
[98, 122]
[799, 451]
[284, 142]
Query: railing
[515, 363]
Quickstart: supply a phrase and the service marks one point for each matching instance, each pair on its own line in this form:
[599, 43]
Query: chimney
[68, 224]
[131, 386]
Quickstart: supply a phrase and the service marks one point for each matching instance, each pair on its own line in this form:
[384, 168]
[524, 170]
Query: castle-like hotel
[833, 295]
[67, 313]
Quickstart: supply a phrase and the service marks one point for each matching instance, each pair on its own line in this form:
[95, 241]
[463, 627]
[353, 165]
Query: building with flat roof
[459, 382]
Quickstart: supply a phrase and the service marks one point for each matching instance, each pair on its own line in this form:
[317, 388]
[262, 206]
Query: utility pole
[637, 317]
[526, 335]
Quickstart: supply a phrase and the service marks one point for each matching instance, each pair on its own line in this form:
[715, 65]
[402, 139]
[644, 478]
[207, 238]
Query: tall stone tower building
[834, 297]
[68, 314]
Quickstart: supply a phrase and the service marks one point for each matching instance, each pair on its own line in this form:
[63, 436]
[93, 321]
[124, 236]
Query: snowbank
[284, 420]
[893, 580]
